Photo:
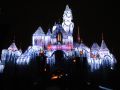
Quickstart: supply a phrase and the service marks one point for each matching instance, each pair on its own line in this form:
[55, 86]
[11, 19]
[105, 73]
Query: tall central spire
[67, 8]
[67, 23]
[67, 13]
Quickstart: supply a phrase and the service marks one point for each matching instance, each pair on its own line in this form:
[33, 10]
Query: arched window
[59, 37]
[35, 41]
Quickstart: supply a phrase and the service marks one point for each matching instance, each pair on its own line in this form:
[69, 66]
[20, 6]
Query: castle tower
[54, 27]
[67, 24]
[13, 47]
[103, 44]
[103, 49]
[94, 50]
[38, 38]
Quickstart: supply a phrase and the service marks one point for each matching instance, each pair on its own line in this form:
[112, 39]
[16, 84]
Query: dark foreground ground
[72, 76]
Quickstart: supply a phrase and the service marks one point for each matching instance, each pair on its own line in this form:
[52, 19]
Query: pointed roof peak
[103, 46]
[49, 32]
[20, 50]
[81, 41]
[39, 27]
[95, 46]
[55, 24]
[13, 47]
[82, 44]
[39, 31]
[67, 8]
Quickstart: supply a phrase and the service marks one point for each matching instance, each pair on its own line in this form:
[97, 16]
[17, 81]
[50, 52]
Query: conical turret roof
[39, 31]
[95, 46]
[20, 50]
[13, 47]
[82, 45]
[49, 32]
[103, 46]
[67, 8]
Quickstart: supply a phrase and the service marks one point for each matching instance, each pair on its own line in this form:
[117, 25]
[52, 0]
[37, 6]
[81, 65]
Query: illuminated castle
[59, 38]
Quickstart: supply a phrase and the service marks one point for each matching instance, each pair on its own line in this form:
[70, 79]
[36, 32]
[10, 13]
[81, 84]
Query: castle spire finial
[78, 37]
[67, 7]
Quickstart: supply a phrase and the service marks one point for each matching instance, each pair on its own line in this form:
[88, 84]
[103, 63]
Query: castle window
[59, 37]
[35, 40]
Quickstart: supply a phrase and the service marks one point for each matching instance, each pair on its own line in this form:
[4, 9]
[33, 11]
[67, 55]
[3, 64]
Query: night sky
[21, 19]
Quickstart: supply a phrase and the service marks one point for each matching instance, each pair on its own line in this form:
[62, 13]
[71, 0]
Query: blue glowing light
[48, 43]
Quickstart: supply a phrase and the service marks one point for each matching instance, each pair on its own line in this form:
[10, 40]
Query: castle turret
[13, 47]
[10, 54]
[54, 27]
[103, 49]
[94, 50]
[48, 38]
[67, 24]
[38, 38]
